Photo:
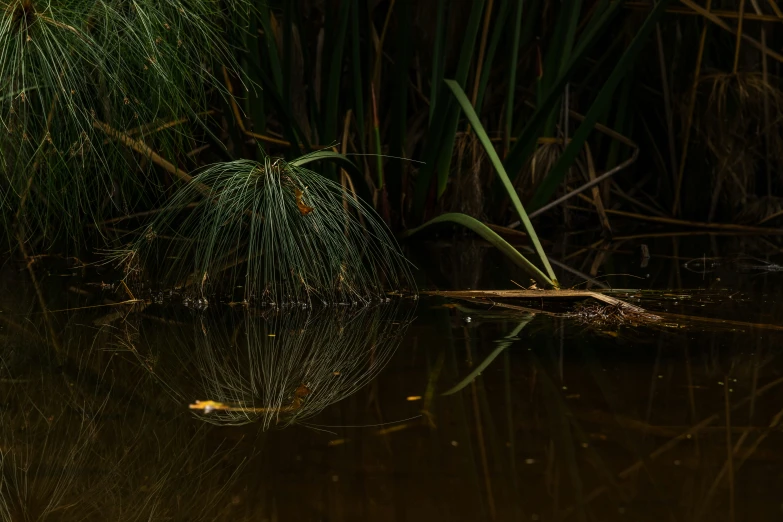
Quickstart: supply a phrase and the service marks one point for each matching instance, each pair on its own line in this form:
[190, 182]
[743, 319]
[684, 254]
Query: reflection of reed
[42, 455]
[277, 368]
[74, 446]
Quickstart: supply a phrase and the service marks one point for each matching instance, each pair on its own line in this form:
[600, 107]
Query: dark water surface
[341, 415]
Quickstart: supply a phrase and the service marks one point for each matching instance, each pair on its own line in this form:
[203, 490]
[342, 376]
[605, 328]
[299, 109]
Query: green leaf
[501, 171]
[487, 233]
[320, 155]
[512, 77]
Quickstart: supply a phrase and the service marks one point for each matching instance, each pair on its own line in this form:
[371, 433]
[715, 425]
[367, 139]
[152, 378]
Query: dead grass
[599, 315]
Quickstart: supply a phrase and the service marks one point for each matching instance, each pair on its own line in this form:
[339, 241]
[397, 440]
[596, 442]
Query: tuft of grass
[135, 66]
[276, 231]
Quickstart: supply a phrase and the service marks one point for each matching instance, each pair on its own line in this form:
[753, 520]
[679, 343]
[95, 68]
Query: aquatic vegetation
[549, 278]
[142, 67]
[275, 230]
[278, 368]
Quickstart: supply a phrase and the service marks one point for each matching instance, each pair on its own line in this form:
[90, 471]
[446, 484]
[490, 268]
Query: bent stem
[459, 94]
[498, 242]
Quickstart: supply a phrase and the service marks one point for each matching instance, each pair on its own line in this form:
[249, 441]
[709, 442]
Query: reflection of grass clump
[277, 369]
[281, 232]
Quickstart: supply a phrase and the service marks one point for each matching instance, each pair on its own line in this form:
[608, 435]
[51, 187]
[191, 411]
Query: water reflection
[519, 414]
[276, 367]
[81, 438]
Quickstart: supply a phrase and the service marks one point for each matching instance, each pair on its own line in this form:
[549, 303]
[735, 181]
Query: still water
[428, 409]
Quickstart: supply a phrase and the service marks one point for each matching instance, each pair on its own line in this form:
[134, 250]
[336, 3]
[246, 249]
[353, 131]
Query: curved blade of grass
[327, 155]
[487, 233]
[598, 108]
[502, 345]
[459, 94]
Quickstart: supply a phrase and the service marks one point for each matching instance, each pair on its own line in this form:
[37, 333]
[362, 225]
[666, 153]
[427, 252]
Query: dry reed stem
[535, 294]
[480, 432]
[376, 74]
[597, 201]
[695, 224]
[482, 50]
[738, 43]
[723, 25]
[689, 117]
[484, 297]
[667, 99]
[143, 149]
[775, 8]
[730, 15]
[238, 116]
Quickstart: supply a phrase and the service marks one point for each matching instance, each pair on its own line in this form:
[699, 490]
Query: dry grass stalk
[611, 316]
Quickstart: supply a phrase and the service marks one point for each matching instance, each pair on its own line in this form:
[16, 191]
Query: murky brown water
[340, 415]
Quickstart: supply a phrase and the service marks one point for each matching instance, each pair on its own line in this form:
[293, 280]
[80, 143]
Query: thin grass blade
[487, 233]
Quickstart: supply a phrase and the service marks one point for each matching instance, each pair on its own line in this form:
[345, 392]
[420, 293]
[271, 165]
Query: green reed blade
[399, 100]
[438, 57]
[271, 46]
[600, 106]
[459, 94]
[512, 77]
[526, 139]
[452, 122]
[487, 233]
[332, 101]
[497, 34]
[320, 155]
[356, 64]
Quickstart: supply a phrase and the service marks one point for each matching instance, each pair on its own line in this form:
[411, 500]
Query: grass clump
[66, 65]
[271, 233]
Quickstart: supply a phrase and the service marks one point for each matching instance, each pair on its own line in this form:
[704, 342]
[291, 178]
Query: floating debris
[611, 315]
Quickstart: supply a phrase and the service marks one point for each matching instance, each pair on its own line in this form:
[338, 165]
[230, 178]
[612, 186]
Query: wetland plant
[72, 68]
[269, 232]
